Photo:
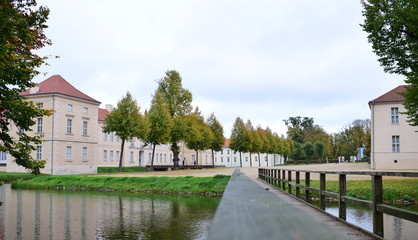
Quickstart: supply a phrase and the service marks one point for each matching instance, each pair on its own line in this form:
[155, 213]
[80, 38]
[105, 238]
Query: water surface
[49, 214]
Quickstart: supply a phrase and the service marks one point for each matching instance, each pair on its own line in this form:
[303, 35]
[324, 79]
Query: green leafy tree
[263, 142]
[392, 26]
[252, 146]
[297, 127]
[199, 136]
[126, 121]
[178, 101]
[218, 139]
[308, 150]
[240, 138]
[159, 124]
[319, 150]
[22, 26]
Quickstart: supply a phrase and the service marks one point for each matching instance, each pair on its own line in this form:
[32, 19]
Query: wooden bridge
[253, 209]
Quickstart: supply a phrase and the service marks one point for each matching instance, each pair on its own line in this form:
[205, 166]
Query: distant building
[73, 137]
[230, 158]
[394, 142]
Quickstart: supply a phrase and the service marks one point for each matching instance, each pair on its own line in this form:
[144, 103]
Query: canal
[50, 214]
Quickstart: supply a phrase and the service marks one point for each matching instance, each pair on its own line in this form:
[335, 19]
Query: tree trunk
[251, 165]
[176, 152]
[152, 158]
[240, 159]
[213, 159]
[121, 155]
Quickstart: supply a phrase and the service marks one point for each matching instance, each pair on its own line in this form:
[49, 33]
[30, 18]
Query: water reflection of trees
[156, 217]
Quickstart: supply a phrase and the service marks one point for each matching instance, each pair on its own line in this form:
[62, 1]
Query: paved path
[248, 211]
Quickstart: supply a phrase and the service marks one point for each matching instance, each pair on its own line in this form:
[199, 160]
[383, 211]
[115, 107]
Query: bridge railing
[277, 178]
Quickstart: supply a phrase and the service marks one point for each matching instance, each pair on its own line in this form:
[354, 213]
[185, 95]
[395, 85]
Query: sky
[260, 60]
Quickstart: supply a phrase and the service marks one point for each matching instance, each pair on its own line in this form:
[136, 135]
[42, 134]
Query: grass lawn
[182, 185]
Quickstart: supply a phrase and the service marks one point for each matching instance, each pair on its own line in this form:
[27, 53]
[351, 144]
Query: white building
[394, 142]
[229, 158]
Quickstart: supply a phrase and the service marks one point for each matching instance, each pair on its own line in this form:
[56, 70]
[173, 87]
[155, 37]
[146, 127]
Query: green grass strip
[183, 185]
[10, 177]
[124, 169]
[393, 190]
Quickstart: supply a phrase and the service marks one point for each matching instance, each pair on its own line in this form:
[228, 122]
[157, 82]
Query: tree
[218, 139]
[22, 32]
[178, 101]
[308, 150]
[126, 121]
[160, 124]
[319, 150]
[392, 27]
[253, 145]
[263, 142]
[297, 127]
[240, 138]
[199, 136]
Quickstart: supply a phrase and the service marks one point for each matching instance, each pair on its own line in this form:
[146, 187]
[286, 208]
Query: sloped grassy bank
[180, 185]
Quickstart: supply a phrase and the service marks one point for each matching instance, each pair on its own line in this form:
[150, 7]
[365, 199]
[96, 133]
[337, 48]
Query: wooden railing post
[284, 178]
[377, 189]
[297, 182]
[342, 208]
[307, 184]
[322, 188]
[275, 177]
[289, 187]
[280, 179]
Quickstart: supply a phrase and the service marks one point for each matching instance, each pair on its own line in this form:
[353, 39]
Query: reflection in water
[394, 228]
[30, 214]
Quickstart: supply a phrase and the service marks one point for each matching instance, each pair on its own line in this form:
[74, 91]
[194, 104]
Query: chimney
[109, 107]
[34, 90]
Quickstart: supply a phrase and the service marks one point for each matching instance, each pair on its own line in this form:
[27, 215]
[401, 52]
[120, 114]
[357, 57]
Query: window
[396, 144]
[84, 153]
[132, 144]
[40, 105]
[149, 157]
[85, 110]
[69, 125]
[104, 136]
[228, 159]
[171, 158]
[161, 157]
[222, 159]
[246, 159]
[105, 155]
[111, 136]
[117, 156]
[222, 151]
[228, 151]
[70, 107]
[165, 157]
[39, 153]
[111, 155]
[256, 159]
[235, 159]
[69, 153]
[40, 125]
[3, 156]
[193, 159]
[394, 115]
[131, 156]
[117, 138]
[84, 128]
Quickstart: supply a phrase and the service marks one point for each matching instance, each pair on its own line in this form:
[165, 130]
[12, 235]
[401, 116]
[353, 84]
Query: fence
[277, 178]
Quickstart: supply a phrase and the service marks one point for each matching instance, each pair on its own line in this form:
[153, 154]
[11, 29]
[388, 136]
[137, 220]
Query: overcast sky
[259, 60]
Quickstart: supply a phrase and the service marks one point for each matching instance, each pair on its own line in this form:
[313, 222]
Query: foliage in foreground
[186, 185]
[124, 169]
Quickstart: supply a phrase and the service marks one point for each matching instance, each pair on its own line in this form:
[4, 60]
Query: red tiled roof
[57, 84]
[102, 114]
[392, 96]
[227, 141]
